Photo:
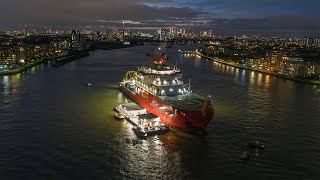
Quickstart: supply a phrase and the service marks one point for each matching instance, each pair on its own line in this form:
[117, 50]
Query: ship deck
[188, 101]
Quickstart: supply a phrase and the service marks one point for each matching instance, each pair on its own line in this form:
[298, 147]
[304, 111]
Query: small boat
[140, 132]
[119, 116]
[256, 144]
[89, 84]
[245, 155]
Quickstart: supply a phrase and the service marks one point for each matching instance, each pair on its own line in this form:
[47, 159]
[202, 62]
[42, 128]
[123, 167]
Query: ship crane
[130, 75]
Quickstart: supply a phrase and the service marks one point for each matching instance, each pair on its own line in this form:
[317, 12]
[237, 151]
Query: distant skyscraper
[308, 41]
[204, 33]
[163, 34]
[172, 32]
[317, 42]
[180, 32]
[26, 32]
[76, 39]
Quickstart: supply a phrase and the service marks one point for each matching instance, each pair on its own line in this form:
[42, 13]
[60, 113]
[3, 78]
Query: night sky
[259, 15]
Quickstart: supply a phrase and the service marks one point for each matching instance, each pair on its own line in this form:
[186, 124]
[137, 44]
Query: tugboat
[160, 90]
[256, 144]
[89, 84]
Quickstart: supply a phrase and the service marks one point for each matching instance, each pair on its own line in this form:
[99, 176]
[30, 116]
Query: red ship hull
[186, 120]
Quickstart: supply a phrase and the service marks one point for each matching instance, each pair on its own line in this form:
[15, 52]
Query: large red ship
[160, 90]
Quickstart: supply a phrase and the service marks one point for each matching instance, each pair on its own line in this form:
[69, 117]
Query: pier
[187, 52]
[145, 124]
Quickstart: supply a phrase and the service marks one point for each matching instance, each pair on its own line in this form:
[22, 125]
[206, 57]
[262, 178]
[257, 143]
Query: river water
[53, 126]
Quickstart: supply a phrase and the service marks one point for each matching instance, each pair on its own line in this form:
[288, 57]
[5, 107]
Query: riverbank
[110, 45]
[62, 59]
[233, 64]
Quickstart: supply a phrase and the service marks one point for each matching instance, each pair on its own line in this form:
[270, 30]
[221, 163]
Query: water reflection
[237, 74]
[316, 90]
[181, 58]
[243, 76]
[198, 57]
[252, 77]
[120, 98]
[9, 91]
[196, 60]
[267, 81]
[152, 156]
[290, 83]
[10, 84]
[5, 85]
[259, 80]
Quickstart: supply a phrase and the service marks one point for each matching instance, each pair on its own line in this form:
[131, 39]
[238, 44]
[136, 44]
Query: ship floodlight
[171, 89]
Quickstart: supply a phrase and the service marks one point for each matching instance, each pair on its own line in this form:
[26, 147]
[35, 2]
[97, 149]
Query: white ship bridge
[165, 82]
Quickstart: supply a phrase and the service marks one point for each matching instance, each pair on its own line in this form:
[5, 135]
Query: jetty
[145, 124]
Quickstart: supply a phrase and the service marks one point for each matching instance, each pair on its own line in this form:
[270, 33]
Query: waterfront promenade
[234, 64]
[61, 58]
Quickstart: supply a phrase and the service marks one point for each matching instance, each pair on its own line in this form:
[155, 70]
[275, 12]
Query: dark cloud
[248, 8]
[196, 14]
[84, 11]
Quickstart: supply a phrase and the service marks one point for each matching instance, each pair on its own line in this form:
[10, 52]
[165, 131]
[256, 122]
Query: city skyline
[224, 17]
[159, 89]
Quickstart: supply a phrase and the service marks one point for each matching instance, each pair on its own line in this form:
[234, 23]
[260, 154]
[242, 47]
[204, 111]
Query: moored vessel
[160, 90]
